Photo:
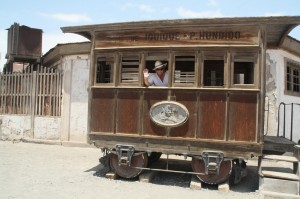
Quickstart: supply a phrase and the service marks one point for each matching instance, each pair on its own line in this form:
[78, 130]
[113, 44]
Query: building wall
[72, 125]
[47, 128]
[275, 87]
[15, 127]
[75, 98]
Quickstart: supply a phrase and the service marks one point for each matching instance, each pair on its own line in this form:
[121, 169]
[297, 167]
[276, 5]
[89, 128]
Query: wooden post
[33, 102]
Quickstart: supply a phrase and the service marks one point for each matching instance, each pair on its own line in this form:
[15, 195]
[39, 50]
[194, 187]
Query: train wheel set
[210, 168]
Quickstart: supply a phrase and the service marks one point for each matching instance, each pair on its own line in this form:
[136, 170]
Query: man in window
[160, 78]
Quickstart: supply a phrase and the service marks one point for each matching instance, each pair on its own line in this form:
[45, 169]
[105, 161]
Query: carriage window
[292, 78]
[213, 72]
[184, 70]
[104, 70]
[130, 69]
[243, 72]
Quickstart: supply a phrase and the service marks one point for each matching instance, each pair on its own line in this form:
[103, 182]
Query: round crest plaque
[169, 113]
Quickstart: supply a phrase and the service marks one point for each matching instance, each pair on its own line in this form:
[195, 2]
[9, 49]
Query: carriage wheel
[224, 173]
[137, 160]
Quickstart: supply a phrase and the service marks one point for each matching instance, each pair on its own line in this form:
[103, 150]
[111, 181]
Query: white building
[282, 86]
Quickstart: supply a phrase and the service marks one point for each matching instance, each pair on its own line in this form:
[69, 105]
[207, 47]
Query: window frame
[143, 56]
[196, 69]
[107, 56]
[213, 55]
[246, 56]
[294, 65]
[139, 58]
[161, 55]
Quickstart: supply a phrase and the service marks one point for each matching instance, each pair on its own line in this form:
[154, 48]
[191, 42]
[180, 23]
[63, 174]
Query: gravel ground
[30, 170]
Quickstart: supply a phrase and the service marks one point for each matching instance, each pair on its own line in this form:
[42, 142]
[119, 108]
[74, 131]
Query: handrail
[284, 119]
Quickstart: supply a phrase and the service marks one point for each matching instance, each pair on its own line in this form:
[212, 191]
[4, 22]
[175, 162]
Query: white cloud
[141, 7]
[51, 40]
[68, 17]
[192, 14]
[274, 14]
[3, 48]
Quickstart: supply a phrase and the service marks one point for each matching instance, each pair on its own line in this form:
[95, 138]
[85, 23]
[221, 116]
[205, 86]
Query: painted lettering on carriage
[202, 35]
[162, 36]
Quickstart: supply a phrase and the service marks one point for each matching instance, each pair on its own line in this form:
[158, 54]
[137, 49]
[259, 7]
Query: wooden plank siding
[242, 117]
[102, 113]
[212, 122]
[221, 115]
[127, 114]
[189, 36]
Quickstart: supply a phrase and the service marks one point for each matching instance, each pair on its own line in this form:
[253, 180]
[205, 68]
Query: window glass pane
[243, 73]
[288, 78]
[184, 70]
[130, 69]
[296, 80]
[296, 88]
[104, 70]
[292, 77]
[213, 72]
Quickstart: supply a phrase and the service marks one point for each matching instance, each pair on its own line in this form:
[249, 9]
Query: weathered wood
[279, 185]
[278, 144]
[177, 145]
[242, 35]
[189, 100]
[203, 56]
[111, 175]
[127, 114]
[276, 27]
[195, 183]
[281, 175]
[147, 176]
[281, 158]
[224, 187]
[213, 116]
[243, 116]
[102, 115]
[19, 89]
[277, 195]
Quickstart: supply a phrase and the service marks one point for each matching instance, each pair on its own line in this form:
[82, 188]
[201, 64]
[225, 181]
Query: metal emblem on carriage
[169, 114]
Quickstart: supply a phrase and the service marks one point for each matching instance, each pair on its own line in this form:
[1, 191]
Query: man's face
[159, 70]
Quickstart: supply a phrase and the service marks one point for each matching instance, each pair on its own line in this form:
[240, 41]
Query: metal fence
[31, 93]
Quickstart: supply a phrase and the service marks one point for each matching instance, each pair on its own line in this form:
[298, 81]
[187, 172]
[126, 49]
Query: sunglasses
[160, 69]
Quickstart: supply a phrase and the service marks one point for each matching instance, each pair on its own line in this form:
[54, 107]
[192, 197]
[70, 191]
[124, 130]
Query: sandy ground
[30, 170]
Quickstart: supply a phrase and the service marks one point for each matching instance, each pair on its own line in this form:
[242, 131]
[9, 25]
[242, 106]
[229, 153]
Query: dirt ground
[29, 170]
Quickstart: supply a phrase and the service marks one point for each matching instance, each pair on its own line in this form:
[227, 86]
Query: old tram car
[212, 110]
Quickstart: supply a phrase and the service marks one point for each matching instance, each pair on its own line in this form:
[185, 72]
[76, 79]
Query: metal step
[277, 195]
[280, 175]
[276, 145]
[278, 185]
[281, 158]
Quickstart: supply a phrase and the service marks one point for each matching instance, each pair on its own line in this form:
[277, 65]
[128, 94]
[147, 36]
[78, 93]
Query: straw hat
[159, 64]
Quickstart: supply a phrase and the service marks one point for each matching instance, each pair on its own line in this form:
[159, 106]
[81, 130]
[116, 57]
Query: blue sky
[50, 16]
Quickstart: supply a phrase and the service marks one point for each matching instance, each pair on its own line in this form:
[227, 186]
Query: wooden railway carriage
[213, 107]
